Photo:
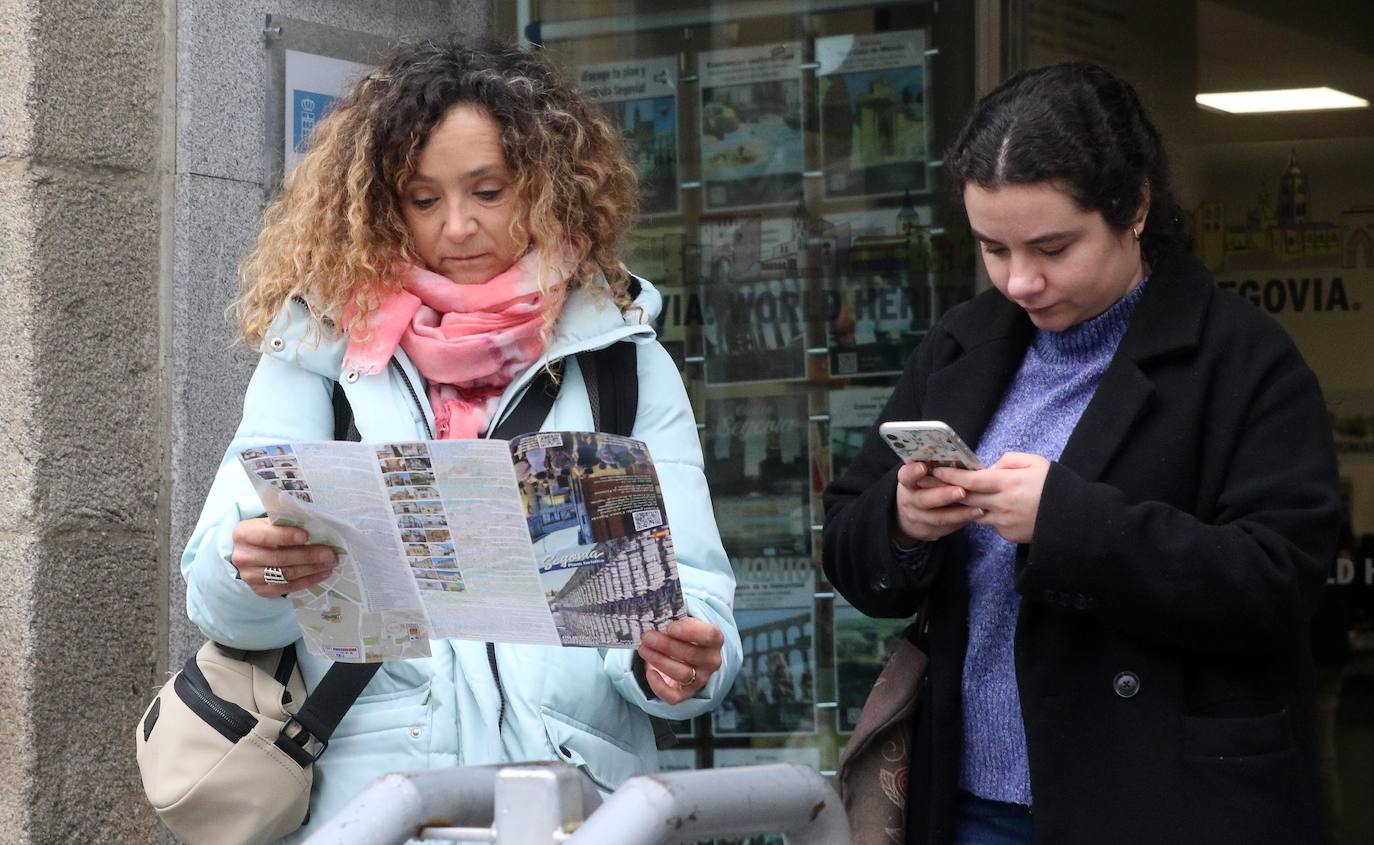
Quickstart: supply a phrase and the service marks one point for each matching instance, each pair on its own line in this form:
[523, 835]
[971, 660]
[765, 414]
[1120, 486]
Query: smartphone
[929, 441]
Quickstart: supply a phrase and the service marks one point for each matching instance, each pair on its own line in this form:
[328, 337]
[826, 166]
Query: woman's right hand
[260, 546]
[928, 508]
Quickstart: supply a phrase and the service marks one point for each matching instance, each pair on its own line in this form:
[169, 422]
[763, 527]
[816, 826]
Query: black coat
[1182, 541]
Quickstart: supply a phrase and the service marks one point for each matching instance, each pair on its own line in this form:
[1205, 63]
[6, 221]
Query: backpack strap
[611, 375]
[344, 427]
[532, 408]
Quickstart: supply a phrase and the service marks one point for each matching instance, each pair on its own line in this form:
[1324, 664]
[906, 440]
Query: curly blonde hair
[336, 231]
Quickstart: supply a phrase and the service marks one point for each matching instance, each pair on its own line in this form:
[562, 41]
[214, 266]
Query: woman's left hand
[1008, 493]
[680, 659]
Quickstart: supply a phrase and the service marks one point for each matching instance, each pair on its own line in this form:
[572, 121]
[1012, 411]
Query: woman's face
[460, 202]
[1061, 264]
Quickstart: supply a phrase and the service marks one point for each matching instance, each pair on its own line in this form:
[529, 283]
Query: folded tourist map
[556, 538]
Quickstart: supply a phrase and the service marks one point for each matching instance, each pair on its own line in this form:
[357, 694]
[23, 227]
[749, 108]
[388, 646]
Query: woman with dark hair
[1118, 603]
[451, 234]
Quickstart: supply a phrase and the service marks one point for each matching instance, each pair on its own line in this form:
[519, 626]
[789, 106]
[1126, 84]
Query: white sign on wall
[313, 83]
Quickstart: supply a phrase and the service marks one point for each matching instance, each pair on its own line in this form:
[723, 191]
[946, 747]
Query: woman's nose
[1023, 277]
[460, 222]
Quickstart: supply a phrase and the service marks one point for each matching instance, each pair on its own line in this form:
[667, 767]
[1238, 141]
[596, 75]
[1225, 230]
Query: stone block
[95, 94]
[220, 115]
[94, 325]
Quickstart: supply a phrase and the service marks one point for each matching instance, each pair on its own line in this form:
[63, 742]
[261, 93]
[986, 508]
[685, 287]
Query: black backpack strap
[344, 429]
[324, 709]
[611, 375]
[532, 408]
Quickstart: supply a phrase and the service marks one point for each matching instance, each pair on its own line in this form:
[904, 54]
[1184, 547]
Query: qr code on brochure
[544, 441]
[645, 520]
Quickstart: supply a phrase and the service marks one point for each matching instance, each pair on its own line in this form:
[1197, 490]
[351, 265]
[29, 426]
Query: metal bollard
[684, 807]
[556, 804]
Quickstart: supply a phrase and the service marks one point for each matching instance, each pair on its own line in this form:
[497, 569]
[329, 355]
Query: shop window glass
[794, 215]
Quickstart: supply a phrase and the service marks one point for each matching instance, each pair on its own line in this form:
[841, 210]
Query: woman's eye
[1055, 251]
[424, 202]
[990, 249]
[488, 196]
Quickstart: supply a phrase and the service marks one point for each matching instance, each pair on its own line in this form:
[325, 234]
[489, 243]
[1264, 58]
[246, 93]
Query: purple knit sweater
[1052, 388]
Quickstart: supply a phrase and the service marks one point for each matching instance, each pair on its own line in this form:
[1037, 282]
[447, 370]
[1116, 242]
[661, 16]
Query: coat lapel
[1167, 322]
[994, 334]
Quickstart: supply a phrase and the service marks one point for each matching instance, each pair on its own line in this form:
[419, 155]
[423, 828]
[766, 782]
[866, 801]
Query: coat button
[1126, 684]
[351, 376]
[276, 344]
[415, 733]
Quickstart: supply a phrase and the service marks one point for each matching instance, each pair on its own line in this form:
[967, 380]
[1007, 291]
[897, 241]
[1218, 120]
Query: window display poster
[775, 689]
[757, 462]
[752, 149]
[313, 83]
[749, 248]
[640, 98]
[657, 253]
[755, 331]
[873, 112]
[882, 305]
[853, 412]
[862, 646]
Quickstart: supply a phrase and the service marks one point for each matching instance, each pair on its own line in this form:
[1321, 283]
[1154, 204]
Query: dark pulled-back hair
[1077, 125]
[336, 231]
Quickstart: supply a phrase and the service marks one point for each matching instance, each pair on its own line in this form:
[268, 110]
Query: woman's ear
[1142, 210]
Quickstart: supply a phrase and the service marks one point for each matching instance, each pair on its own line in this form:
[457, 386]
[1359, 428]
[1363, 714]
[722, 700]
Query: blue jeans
[984, 822]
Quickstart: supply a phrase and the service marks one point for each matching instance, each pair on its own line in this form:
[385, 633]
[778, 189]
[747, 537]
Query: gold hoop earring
[1136, 232]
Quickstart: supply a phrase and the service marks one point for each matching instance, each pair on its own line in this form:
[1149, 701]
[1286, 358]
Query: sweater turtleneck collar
[1091, 338]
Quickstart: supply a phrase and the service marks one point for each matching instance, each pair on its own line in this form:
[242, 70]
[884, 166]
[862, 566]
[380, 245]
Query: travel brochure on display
[555, 538]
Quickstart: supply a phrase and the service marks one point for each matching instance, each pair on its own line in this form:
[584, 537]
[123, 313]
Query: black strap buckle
[308, 742]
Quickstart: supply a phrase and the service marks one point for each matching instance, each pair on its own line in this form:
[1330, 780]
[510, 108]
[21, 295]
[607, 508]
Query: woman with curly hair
[450, 235]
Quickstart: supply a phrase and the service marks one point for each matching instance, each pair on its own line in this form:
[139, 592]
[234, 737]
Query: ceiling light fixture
[1280, 100]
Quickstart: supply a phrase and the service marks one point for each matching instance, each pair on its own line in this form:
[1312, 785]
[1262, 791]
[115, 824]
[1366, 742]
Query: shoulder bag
[874, 764]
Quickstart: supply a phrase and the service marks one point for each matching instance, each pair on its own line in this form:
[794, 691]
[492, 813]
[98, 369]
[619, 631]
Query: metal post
[393, 807]
[545, 804]
[684, 807]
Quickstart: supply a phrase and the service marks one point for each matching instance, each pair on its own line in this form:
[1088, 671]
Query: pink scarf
[468, 341]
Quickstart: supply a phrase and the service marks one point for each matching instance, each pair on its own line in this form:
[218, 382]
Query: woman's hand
[680, 659]
[274, 559]
[927, 507]
[1007, 493]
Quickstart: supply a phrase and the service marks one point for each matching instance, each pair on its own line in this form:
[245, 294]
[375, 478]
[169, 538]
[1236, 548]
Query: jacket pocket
[606, 761]
[388, 710]
[1237, 736]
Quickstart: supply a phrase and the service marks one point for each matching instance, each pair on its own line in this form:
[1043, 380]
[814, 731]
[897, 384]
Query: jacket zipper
[491, 647]
[415, 397]
[232, 721]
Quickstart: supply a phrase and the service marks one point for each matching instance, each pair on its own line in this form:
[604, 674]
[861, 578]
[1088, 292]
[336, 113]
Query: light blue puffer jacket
[579, 705]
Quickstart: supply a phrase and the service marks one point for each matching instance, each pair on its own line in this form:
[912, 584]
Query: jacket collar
[993, 333]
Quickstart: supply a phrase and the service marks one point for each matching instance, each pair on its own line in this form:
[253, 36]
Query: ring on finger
[692, 680]
[273, 575]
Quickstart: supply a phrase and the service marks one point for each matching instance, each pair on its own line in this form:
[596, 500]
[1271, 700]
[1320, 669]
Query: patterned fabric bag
[872, 776]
